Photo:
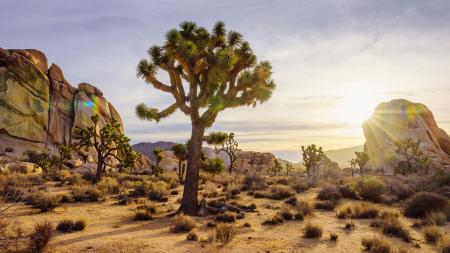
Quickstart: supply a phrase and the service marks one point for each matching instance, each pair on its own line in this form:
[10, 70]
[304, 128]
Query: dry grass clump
[286, 213]
[333, 237]
[109, 185]
[348, 191]
[182, 224]
[226, 217]
[158, 191]
[436, 218]
[328, 205]
[358, 211]
[68, 226]
[279, 191]
[223, 233]
[423, 203]
[40, 237]
[192, 236]
[232, 190]
[376, 245]
[143, 215]
[86, 193]
[432, 234]
[312, 230]
[171, 179]
[303, 207]
[329, 193]
[392, 226]
[444, 245]
[370, 188]
[45, 202]
[210, 190]
[276, 219]
[12, 236]
[253, 182]
[300, 185]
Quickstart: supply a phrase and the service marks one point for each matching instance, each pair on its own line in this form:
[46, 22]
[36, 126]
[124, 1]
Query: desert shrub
[376, 245]
[392, 226]
[246, 225]
[303, 207]
[329, 193]
[224, 233]
[300, 185]
[40, 237]
[224, 179]
[260, 194]
[67, 225]
[251, 207]
[436, 218]
[232, 190]
[358, 211]
[333, 237]
[171, 179]
[291, 201]
[192, 236]
[74, 179]
[432, 234]
[109, 185]
[182, 224]
[299, 216]
[326, 205]
[286, 213]
[444, 245]
[45, 202]
[86, 193]
[312, 230]
[422, 203]
[370, 188]
[348, 191]
[142, 215]
[253, 182]
[12, 238]
[401, 190]
[158, 191]
[282, 180]
[276, 219]
[226, 217]
[279, 191]
[210, 190]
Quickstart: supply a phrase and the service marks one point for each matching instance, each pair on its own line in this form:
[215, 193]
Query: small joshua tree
[108, 142]
[409, 157]
[361, 160]
[311, 157]
[180, 151]
[289, 168]
[64, 152]
[226, 143]
[276, 168]
[158, 156]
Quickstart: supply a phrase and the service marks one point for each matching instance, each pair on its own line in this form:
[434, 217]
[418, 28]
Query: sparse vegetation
[276, 219]
[370, 188]
[329, 193]
[432, 234]
[68, 225]
[192, 236]
[392, 226]
[312, 230]
[376, 245]
[423, 203]
[226, 217]
[280, 191]
[224, 233]
[40, 237]
[182, 224]
[358, 211]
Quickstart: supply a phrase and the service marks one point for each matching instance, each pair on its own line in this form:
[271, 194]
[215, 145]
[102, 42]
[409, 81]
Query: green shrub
[423, 203]
[370, 188]
[182, 224]
[348, 191]
[329, 193]
[312, 230]
[40, 237]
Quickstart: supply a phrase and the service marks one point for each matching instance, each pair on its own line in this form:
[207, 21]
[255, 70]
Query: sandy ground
[110, 227]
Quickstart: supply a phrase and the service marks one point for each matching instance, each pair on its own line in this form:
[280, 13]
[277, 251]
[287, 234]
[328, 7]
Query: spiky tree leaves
[361, 160]
[288, 168]
[275, 170]
[224, 142]
[208, 72]
[108, 142]
[64, 152]
[213, 165]
[409, 157]
[158, 156]
[311, 156]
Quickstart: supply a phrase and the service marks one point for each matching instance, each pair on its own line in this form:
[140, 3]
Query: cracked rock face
[39, 108]
[401, 119]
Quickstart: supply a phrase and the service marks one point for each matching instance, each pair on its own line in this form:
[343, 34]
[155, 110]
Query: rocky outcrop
[39, 108]
[401, 119]
[251, 161]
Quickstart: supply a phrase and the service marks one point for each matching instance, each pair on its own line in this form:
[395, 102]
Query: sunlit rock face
[401, 119]
[39, 108]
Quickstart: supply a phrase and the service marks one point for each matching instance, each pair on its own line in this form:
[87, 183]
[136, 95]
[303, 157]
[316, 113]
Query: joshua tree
[361, 160]
[311, 156]
[288, 168]
[276, 168]
[108, 142]
[409, 157]
[208, 73]
[158, 156]
[180, 151]
[226, 143]
[64, 154]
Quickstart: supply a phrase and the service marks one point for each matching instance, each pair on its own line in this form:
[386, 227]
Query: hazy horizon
[333, 61]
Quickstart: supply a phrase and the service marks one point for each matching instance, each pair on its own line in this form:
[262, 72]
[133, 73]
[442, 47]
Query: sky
[333, 61]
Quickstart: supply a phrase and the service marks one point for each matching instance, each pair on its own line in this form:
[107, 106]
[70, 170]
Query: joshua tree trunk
[180, 175]
[189, 204]
[98, 175]
[230, 169]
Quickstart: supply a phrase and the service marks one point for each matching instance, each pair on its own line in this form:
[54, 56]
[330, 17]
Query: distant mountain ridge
[342, 156]
[146, 148]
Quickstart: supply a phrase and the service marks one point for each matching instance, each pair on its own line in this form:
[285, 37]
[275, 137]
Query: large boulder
[399, 120]
[39, 108]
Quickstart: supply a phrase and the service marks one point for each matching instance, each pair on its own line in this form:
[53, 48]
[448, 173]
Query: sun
[356, 107]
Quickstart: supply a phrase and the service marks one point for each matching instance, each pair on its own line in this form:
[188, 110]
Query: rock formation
[39, 108]
[401, 119]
